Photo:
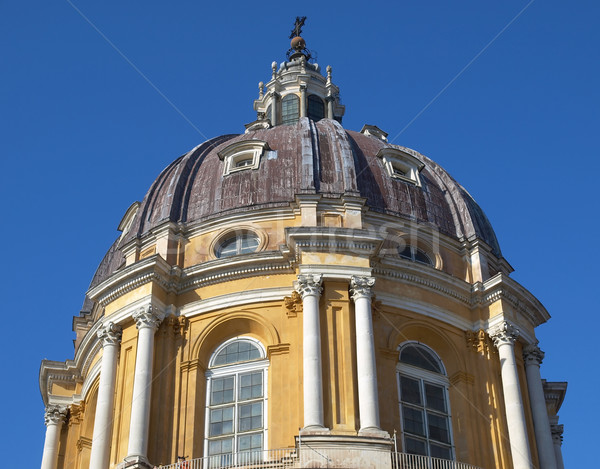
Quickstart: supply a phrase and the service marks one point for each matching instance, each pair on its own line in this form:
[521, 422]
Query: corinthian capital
[533, 355]
[504, 333]
[147, 316]
[55, 414]
[557, 434]
[110, 334]
[360, 287]
[309, 285]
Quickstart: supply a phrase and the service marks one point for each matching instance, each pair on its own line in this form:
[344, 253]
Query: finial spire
[298, 45]
[297, 26]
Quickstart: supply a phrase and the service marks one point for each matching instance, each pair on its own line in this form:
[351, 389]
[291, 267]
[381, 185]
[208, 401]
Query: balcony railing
[347, 458]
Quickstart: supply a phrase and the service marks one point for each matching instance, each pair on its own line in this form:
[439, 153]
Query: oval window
[238, 243]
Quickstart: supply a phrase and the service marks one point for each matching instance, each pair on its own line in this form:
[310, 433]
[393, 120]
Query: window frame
[235, 370]
[251, 150]
[239, 235]
[401, 165]
[288, 119]
[424, 377]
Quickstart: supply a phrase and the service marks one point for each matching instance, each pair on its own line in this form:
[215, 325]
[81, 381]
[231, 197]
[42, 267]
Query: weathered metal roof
[311, 157]
[307, 158]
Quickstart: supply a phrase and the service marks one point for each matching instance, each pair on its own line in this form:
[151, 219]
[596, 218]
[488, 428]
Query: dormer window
[290, 109]
[242, 155]
[401, 165]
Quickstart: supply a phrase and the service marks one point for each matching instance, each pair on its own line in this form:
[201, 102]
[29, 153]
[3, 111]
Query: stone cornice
[235, 267]
[358, 242]
[151, 269]
[502, 287]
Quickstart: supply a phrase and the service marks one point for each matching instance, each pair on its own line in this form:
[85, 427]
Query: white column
[557, 438]
[303, 101]
[504, 336]
[368, 399]
[533, 358]
[147, 322]
[309, 288]
[54, 417]
[110, 335]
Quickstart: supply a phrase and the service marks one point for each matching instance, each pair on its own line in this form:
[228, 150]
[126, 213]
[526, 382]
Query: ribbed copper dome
[308, 157]
[193, 188]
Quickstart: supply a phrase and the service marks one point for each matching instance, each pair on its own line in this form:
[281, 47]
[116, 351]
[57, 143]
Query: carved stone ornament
[533, 355]
[309, 285]
[504, 333]
[477, 341]
[293, 304]
[557, 434]
[76, 413]
[55, 414]
[110, 334]
[360, 287]
[147, 317]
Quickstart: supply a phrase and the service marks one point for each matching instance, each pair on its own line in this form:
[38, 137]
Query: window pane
[248, 243]
[420, 256]
[239, 351]
[316, 108]
[221, 452]
[221, 421]
[414, 446]
[435, 397]
[227, 247]
[290, 109]
[438, 427]
[419, 356]
[438, 451]
[221, 390]
[250, 386]
[250, 442]
[250, 417]
[406, 253]
[413, 420]
[410, 390]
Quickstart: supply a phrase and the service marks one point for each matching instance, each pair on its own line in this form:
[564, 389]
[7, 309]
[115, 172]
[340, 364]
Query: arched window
[316, 108]
[414, 254]
[424, 405]
[235, 403]
[290, 109]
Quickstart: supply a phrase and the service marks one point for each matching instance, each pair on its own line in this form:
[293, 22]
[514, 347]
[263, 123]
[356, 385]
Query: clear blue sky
[92, 110]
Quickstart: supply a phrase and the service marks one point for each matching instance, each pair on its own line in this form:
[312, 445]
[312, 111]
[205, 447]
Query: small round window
[237, 243]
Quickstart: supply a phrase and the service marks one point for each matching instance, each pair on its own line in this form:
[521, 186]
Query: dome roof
[308, 158]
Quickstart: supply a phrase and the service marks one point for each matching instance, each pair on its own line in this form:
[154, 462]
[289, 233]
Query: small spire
[298, 44]
[260, 89]
[274, 69]
[328, 74]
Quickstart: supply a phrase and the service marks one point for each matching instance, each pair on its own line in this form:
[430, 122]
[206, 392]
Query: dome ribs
[308, 158]
[341, 158]
[181, 201]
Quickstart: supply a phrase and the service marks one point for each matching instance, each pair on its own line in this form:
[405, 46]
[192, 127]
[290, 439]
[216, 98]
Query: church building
[302, 295]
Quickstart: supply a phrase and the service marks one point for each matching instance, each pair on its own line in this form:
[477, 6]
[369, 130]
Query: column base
[344, 451]
[135, 462]
[373, 432]
[315, 430]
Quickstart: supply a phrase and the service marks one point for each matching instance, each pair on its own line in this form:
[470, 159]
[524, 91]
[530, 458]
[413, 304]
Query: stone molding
[504, 333]
[361, 287]
[55, 415]
[309, 284]
[533, 355]
[110, 334]
[147, 317]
